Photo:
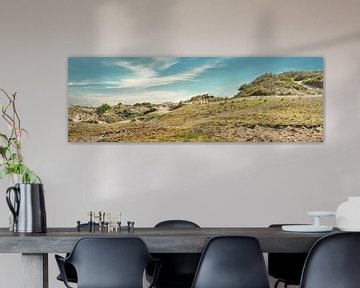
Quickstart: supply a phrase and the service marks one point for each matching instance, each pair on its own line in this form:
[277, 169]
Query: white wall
[212, 184]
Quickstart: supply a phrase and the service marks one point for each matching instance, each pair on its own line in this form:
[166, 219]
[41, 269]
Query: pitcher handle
[13, 208]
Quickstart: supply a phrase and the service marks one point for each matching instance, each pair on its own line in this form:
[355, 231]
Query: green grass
[236, 119]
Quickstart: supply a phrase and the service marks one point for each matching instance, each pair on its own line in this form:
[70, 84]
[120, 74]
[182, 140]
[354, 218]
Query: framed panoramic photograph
[195, 99]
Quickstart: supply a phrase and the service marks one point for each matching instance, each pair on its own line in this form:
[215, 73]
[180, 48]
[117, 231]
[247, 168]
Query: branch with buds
[12, 161]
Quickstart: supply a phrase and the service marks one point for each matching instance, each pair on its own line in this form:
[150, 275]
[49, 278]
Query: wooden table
[35, 247]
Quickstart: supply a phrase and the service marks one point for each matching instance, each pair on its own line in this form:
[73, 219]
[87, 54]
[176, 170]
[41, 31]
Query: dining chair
[178, 269]
[70, 271]
[232, 262]
[333, 262]
[285, 267]
[108, 263]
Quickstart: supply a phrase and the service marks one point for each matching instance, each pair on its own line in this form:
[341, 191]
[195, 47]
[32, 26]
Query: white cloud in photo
[147, 80]
[144, 76]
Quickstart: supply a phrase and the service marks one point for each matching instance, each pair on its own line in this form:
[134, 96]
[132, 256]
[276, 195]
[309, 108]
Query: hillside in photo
[286, 107]
[287, 83]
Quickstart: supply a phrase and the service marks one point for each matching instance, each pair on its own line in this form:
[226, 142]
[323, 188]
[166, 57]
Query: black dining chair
[70, 271]
[232, 262]
[333, 262]
[286, 267]
[178, 269]
[108, 263]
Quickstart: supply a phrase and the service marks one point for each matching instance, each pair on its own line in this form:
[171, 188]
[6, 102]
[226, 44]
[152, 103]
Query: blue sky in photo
[93, 81]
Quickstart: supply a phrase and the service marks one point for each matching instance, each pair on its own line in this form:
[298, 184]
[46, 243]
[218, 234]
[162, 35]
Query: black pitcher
[28, 208]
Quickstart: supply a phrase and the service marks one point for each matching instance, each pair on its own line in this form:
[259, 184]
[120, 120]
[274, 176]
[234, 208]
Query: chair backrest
[110, 262]
[178, 269]
[286, 267]
[176, 224]
[333, 262]
[232, 262]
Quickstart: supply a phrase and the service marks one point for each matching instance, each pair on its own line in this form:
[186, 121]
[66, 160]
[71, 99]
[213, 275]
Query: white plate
[321, 213]
[306, 228]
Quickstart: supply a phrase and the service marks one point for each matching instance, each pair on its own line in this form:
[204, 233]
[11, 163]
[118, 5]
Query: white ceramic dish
[306, 228]
[321, 213]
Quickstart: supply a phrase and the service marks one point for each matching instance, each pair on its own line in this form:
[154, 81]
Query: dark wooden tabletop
[158, 240]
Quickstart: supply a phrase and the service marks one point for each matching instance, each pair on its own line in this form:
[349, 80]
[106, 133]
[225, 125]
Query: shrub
[102, 109]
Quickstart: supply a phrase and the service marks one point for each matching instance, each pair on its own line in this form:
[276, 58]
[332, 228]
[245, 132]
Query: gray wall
[212, 184]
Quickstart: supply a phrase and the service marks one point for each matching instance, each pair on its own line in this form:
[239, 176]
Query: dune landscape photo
[195, 99]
